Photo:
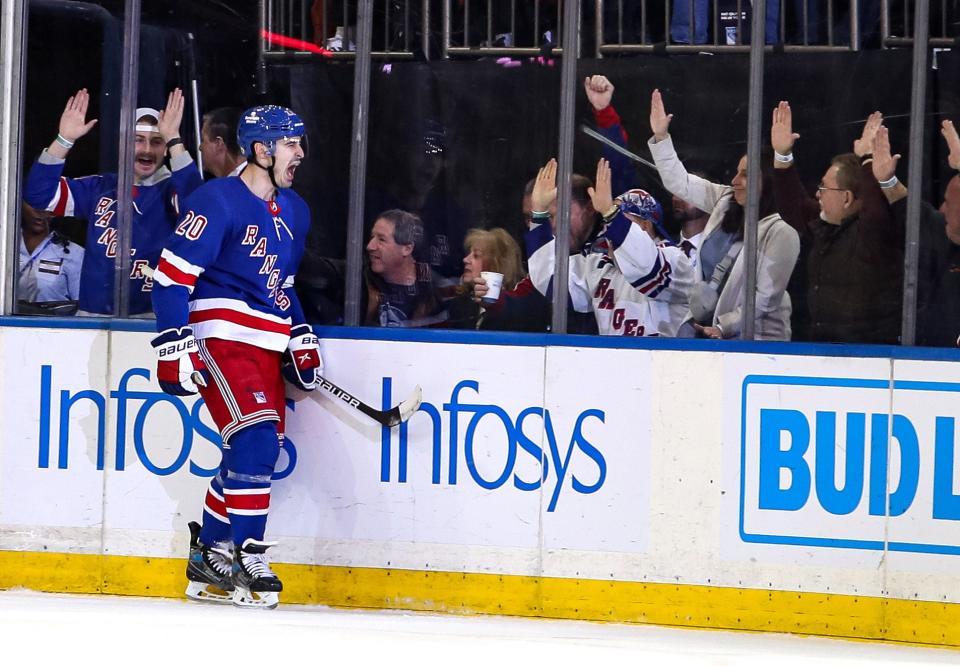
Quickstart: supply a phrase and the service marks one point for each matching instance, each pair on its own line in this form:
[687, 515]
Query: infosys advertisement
[512, 447]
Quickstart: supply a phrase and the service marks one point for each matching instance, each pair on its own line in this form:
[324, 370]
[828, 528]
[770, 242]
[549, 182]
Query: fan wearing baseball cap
[156, 192]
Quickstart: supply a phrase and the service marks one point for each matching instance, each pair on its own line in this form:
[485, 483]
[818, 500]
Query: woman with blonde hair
[519, 307]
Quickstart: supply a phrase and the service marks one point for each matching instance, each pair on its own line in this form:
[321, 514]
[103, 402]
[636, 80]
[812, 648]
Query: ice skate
[209, 570]
[256, 586]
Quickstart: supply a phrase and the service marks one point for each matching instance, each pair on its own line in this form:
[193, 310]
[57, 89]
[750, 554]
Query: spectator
[951, 201]
[400, 290]
[692, 222]
[583, 229]
[94, 198]
[716, 302]
[634, 281]
[520, 306]
[691, 219]
[853, 245]
[938, 288]
[599, 91]
[218, 142]
[49, 263]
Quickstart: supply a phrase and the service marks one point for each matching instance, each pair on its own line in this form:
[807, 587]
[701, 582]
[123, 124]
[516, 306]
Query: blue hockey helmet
[642, 204]
[267, 125]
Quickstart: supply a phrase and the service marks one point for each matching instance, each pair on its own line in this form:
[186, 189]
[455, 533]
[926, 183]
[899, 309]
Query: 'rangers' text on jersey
[228, 269]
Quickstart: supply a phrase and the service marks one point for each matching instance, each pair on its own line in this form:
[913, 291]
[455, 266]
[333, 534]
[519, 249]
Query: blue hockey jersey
[228, 269]
[94, 198]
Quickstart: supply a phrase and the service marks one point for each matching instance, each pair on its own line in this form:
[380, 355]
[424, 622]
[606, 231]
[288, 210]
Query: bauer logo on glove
[302, 363]
[180, 370]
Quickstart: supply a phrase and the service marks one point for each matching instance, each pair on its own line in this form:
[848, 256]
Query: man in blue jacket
[94, 198]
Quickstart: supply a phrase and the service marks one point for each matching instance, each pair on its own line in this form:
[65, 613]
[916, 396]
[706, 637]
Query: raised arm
[880, 233]
[793, 203]
[599, 91]
[951, 198]
[73, 125]
[863, 146]
[700, 192]
[540, 243]
[185, 175]
[45, 188]
[884, 166]
[782, 136]
[659, 118]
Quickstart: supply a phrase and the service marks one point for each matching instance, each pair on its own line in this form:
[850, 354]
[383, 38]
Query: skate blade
[244, 598]
[208, 593]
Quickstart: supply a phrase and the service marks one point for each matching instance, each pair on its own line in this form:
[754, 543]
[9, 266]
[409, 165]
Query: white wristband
[66, 143]
[785, 159]
[889, 184]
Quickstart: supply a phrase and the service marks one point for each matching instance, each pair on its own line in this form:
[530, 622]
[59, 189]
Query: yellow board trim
[847, 616]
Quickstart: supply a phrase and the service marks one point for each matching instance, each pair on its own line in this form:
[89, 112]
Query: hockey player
[634, 281]
[227, 314]
[94, 198]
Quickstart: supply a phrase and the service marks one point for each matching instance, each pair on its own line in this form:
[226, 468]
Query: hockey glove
[180, 370]
[302, 363]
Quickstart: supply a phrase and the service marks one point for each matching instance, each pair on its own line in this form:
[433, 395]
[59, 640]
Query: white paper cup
[494, 282]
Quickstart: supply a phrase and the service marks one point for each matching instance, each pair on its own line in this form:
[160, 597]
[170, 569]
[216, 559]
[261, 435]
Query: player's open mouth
[291, 170]
[144, 160]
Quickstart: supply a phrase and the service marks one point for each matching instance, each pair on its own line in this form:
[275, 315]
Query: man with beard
[631, 277]
[94, 198]
[852, 243]
[692, 222]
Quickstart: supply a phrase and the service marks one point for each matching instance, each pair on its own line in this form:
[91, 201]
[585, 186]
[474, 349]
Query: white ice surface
[38, 628]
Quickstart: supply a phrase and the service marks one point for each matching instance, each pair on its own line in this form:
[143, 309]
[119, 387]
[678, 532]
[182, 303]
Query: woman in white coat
[717, 302]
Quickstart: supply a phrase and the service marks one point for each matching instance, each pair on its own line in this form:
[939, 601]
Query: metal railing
[897, 28]
[501, 27]
[294, 29]
[639, 26]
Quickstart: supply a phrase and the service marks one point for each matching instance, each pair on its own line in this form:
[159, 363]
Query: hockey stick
[620, 149]
[390, 417]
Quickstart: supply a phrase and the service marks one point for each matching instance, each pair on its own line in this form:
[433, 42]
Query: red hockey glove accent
[180, 370]
[302, 362]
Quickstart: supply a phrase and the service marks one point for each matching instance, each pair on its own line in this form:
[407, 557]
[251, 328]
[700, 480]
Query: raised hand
[659, 120]
[169, 121]
[599, 91]
[73, 122]
[782, 136]
[601, 194]
[864, 145]
[884, 164]
[545, 187]
[949, 133]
